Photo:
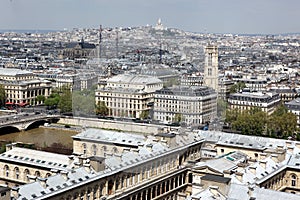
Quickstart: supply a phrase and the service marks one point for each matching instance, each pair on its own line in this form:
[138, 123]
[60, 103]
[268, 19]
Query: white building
[194, 105]
[247, 100]
[128, 95]
[22, 87]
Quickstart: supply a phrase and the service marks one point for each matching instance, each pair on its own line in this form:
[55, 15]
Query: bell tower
[211, 72]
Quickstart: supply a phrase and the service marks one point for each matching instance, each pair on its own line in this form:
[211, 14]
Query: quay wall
[113, 125]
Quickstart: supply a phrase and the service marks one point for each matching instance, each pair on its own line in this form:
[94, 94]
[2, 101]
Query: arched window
[294, 179]
[26, 173]
[115, 150]
[84, 148]
[17, 172]
[6, 171]
[104, 149]
[37, 174]
[94, 150]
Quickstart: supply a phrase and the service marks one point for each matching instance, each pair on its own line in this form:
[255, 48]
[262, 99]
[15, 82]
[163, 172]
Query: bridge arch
[35, 124]
[9, 129]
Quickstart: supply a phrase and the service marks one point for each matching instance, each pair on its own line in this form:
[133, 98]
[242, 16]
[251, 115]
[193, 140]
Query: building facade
[294, 107]
[193, 105]
[128, 95]
[248, 100]
[22, 87]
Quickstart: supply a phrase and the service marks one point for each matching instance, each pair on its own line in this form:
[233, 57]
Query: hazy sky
[213, 16]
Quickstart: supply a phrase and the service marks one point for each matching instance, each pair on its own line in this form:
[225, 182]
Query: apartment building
[267, 101]
[194, 105]
[22, 87]
[128, 95]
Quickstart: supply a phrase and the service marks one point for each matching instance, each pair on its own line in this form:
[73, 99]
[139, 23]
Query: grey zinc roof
[134, 79]
[241, 140]
[41, 158]
[111, 136]
[13, 71]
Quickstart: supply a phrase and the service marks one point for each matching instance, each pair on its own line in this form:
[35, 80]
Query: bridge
[24, 122]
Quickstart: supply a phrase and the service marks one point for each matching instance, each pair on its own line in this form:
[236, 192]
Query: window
[84, 148]
[209, 63]
[294, 179]
[209, 71]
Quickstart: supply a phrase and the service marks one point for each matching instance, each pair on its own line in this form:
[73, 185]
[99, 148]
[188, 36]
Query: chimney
[274, 157]
[262, 156]
[71, 159]
[54, 171]
[87, 167]
[263, 164]
[251, 161]
[239, 176]
[64, 174]
[31, 178]
[15, 192]
[297, 144]
[250, 190]
[280, 147]
[240, 166]
[252, 169]
[290, 149]
[288, 143]
[125, 150]
[149, 147]
[214, 190]
[43, 181]
[227, 173]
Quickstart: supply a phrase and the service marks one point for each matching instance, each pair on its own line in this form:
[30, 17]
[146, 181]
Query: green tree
[102, 109]
[84, 102]
[282, 123]
[40, 99]
[2, 95]
[237, 87]
[65, 101]
[144, 114]
[178, 117]
[231, 115]
[251, 122]
[221, 108]
[52, 101]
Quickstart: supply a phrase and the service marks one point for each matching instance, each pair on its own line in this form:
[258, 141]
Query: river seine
[41, 136]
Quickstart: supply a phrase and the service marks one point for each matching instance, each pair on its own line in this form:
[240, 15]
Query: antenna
[100, 41]
[117, 44]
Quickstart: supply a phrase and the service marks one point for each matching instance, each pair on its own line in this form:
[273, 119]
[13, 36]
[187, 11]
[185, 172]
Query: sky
[206, 16]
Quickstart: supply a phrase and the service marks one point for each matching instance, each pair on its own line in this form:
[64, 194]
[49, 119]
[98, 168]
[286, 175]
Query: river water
[41, 136]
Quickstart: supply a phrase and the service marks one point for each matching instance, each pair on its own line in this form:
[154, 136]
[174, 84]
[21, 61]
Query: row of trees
[280, 124]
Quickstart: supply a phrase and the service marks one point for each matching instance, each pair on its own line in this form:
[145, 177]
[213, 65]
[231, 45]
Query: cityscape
[154, 111]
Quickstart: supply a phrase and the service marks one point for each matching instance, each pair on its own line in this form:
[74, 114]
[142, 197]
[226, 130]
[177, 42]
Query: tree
[65, 101]
[237, 87]
[2, 95]
[40, 99]
[221, 108]
[231, 115]
[52, 101]
[251, 122]
[84, 102]
[178, 117]
[144, 114]
[101, 109]
[282, 123]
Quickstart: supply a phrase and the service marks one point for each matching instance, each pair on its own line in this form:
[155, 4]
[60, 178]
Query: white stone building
[195, 105]
[22, 87]
[128, 95]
